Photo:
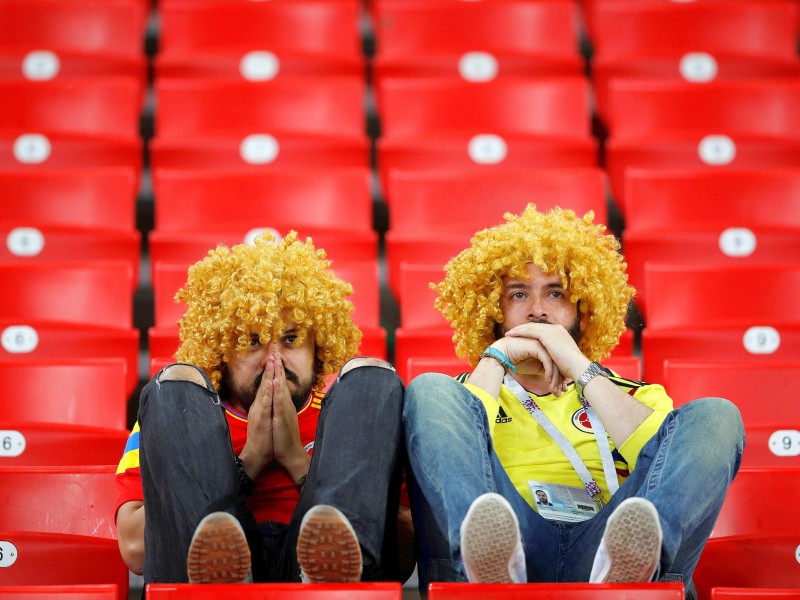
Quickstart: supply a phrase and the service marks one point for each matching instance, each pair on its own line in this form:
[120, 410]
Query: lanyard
[609, 470]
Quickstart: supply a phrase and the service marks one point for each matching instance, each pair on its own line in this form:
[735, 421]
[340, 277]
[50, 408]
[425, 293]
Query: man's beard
[299, 395]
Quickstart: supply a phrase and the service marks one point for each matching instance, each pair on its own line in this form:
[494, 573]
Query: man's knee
[182, 372]
[364, 361]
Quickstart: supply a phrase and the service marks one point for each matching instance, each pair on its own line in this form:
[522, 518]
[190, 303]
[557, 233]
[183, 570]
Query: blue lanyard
[609, 470]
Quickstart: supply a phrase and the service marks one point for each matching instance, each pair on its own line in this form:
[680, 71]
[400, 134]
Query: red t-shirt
[275, 495]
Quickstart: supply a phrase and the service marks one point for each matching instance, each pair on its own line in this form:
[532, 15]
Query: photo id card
[561, 502]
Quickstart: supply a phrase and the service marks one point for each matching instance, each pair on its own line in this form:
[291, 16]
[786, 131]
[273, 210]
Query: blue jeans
[188, 470]
[684, 470]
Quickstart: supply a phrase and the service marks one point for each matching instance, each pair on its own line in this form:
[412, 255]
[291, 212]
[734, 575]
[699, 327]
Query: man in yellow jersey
[535, 304]
[238, 468]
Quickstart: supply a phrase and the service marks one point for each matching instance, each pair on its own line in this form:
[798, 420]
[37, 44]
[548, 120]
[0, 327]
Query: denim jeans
[684, 470]
[188, 469]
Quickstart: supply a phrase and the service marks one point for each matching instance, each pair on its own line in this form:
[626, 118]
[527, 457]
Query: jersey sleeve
[128, 480]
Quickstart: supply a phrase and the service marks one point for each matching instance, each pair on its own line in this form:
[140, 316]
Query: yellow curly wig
[235, 292]
[558, 242]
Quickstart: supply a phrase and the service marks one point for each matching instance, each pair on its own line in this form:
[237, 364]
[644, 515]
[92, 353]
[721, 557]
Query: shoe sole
[327, 549]
[218, 552]
[633, 540]
[489, 539]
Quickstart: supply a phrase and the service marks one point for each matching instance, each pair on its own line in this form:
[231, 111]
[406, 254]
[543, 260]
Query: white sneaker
[218, 552]
[327, 547]
[491, 545]
[631, 546]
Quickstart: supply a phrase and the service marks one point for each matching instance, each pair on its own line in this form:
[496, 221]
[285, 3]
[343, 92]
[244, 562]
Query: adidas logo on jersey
[502, 417]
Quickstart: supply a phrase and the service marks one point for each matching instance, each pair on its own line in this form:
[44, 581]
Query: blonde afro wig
[258, 289]
[585, 257]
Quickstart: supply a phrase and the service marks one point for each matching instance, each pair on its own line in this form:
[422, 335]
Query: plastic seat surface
[557, 591]
[100, 198]
[408, 28]
[482, 152]
[62, 559]
[308, 26]
[674, 198]
[32, 152]
[74, 500]
[101, 107]
[90, 391]
[741, 382]
[60, 592]
[751, 547]
[33, 64]
[334, 199]
[276, 591]
[763, 28]
[555, 106]
[686, 65]
[425, 201]
[709, 151]
[260, 152]
[302, 105]
[188, 247]
[762, 342]
[59, 444]
[24, 245]
[733, 593]
[89, 26]
[681, 295]
[730, 247]
[90, 293]
[766, 107]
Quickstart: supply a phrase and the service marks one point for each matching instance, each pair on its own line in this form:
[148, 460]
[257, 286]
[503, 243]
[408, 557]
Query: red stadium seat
[104, 107]
[425, 201]
[729, 593]
[707, 151]
[91, 392]
[766, 107]
[27, 444]
[88, 293]
[258, 63]
[557, 591]
[36, 245]
[333, 199]
[59, 592]
[688, 65]
[741, 382]
[58, 525]
[623, 28]
[276, 591]
[302, 105]
[260, 152]
[33, 152]
[95, 27]
[189, 247]
[700, 295]
[709, 246]
[98, 198]
[482, 153]
[688, 198]
[301, 26]
[749, 546]
[34, 64]
[35, 341]
[764, 343]
[476, 65]
[553, 106]
[63, 559]
[404, 29]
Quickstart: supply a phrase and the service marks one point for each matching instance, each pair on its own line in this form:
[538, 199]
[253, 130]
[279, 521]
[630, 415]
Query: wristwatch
[592, 371]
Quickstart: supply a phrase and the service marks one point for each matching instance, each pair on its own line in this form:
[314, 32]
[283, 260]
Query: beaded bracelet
[499, 357]
[246, 484]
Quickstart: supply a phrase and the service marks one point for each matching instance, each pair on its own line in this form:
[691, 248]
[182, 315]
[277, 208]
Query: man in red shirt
[221, 454]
